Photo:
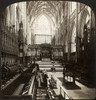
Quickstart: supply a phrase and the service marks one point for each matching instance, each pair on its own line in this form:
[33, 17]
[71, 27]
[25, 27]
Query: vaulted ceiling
[50, 8]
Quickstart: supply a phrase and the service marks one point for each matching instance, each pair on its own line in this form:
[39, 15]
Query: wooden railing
[64, 93]
[60, 91]
[24, 90]
[32, 87]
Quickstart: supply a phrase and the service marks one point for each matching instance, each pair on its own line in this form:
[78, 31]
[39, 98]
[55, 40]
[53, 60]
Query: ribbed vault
[36, 8]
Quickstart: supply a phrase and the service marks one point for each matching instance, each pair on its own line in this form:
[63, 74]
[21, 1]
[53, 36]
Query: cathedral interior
[48, 51]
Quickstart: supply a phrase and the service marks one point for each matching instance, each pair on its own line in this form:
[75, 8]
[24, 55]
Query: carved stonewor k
[58, 34]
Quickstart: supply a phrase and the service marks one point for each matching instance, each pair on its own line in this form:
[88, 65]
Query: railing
[10, 82]
[30, 89]
[32, 85]
[64, 93]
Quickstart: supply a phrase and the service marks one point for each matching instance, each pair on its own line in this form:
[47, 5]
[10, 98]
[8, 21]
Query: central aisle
[79, 91]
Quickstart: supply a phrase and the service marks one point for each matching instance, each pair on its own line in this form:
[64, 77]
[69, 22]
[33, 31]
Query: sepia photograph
[47, 51]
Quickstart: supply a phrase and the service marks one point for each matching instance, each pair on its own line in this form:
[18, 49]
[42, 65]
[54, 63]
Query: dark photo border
[90, 3]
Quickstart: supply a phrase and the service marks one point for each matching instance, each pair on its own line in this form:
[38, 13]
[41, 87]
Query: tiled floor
[83, 92]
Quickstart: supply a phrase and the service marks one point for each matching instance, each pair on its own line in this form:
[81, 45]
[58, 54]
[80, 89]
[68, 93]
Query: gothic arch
[47, 16]
[83, 20]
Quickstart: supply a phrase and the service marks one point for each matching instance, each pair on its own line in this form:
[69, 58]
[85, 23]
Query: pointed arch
[52, 22]
[84, 19]
[43, 13]
[42, 26]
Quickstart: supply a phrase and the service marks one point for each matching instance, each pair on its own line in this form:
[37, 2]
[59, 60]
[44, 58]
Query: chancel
[48, 51]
